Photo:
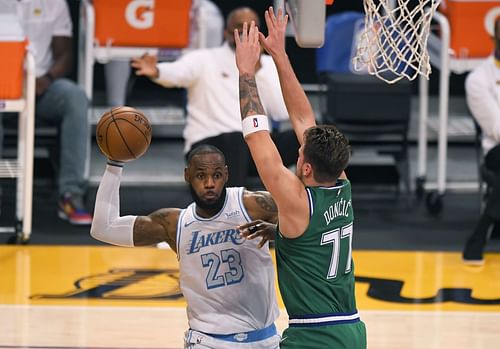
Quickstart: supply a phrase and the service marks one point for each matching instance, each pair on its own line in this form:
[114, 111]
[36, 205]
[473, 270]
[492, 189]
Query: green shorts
[342, 336]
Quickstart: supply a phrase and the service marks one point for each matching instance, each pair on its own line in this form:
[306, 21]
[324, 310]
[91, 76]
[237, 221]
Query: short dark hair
[205, 149]
[238, 10]
[327, 150]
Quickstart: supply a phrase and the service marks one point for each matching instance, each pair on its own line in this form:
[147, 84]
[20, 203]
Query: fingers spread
[244, 37]
[262, 243]
[237, 37]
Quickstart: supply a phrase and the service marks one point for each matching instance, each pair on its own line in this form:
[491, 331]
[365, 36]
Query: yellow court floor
[111, 297]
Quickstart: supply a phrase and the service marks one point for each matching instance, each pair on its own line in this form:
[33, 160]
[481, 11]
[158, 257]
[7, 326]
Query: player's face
[207, 175]
[236, 22]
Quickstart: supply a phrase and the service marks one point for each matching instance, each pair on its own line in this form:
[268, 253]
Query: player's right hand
[258, 228]
[145, 66]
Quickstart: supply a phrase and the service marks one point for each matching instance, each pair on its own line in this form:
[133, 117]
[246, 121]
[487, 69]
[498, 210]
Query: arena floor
[110, 297]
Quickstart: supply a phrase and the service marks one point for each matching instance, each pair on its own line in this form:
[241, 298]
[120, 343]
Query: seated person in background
[59, 101]
[204, 14]
[211, 78]
[482, 90]
[227, 281]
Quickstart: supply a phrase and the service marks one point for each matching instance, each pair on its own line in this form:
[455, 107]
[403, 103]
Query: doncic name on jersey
[340, 208]
[199, 241]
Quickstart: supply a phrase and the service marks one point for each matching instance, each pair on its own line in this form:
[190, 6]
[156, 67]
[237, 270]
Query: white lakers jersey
[228, 282]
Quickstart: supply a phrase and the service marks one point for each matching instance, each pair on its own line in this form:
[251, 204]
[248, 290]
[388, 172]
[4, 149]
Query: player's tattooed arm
[264, 213]
[249, 97]
[159, 226]
[260, 205]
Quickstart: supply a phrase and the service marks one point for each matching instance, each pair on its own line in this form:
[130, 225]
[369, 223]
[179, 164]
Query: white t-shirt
[211, 78]
[482, 88]
[41, 20]
[228, 282]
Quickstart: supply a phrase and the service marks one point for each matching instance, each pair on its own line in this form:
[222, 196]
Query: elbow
[98, 230]
[94, 232]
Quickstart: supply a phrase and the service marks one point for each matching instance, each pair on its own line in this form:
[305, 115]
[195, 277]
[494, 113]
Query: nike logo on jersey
[187, 224]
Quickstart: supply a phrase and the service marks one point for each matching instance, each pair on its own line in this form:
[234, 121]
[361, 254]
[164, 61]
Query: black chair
[486, 176]
[374, 116]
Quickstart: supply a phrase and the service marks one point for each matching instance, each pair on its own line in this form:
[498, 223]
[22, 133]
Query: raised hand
[274, 43]
[247, 48]
[145, 66]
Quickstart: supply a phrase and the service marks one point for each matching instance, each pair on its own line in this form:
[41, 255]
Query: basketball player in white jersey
[227, 281]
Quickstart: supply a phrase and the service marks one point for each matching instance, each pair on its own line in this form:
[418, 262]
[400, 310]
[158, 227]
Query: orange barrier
[469, 37]
[142, 23]
[11, 69]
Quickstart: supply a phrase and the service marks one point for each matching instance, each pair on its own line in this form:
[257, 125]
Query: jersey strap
[247, 337]
[323, 319]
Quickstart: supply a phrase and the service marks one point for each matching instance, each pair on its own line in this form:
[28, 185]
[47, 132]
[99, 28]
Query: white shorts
[267, 338]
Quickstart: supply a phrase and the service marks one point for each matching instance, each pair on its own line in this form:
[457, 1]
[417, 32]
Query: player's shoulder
[260, 197]
[252, 194]
[170, 214]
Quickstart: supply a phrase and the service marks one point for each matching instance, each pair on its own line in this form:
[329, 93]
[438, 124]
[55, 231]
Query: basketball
[123, 134]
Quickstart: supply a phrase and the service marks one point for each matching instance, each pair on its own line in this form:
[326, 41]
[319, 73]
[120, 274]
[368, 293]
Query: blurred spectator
[207, 28]
[482, 88]
[213, 109]
[59, 101]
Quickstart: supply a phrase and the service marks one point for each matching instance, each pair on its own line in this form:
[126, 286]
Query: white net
[393, 44]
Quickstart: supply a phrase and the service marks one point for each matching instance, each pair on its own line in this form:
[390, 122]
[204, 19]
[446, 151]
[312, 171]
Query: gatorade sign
[139, 14]
[142, 23]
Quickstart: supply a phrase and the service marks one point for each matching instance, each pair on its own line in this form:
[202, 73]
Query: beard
[212, 207]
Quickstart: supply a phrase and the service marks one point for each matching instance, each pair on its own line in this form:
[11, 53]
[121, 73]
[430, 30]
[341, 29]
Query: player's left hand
[258, 228]
[274, 43]
[248, 48]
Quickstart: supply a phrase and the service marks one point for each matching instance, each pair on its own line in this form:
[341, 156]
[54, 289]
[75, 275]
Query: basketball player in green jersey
[315, 229]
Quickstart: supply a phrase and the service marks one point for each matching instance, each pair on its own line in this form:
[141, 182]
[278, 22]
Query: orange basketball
[123, 134]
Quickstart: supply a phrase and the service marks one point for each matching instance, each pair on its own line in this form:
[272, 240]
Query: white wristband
[254, 123]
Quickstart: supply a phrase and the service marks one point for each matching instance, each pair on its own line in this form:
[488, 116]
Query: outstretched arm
[286, 189]
[183, 72]
[299, 108]
[108, 226]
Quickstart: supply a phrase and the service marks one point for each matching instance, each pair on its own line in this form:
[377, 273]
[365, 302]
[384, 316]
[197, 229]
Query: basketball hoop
[393, 44]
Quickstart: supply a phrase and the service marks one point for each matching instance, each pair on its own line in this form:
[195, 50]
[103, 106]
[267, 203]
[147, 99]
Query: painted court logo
[124, 284]
[163, 284]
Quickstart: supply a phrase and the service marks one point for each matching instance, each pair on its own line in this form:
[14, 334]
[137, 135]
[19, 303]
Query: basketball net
[393, 44]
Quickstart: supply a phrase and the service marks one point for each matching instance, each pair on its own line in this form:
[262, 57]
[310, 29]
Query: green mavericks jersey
[315, 270]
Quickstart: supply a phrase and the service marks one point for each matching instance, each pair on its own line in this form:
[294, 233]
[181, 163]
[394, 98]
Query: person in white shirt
[211, 79]
[227, 280]
[59, 101]
[482, 88]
